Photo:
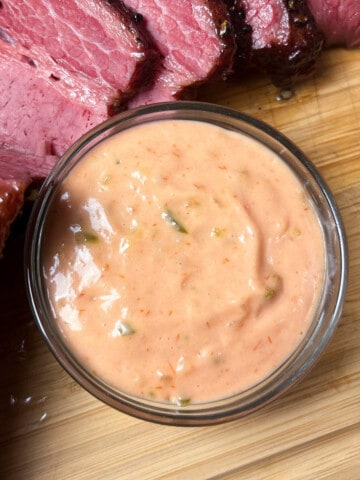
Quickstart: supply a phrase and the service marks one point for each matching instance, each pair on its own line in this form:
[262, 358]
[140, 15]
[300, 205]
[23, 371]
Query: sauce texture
[183, 262]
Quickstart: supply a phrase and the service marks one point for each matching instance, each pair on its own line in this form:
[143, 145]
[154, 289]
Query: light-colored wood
[52, 429]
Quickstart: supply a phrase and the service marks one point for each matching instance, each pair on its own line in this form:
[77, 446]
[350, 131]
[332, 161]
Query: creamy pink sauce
[183, 261]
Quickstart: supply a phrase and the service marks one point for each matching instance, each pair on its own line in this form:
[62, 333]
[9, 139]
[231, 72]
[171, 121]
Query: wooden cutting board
[52, 429]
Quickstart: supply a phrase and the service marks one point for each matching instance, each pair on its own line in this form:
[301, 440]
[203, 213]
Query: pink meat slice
[43, 110]
[98, 39]
[285, 40]
[24, 167]
[17, 171]
[339, 20]
[269, 20]
[195, 40]
[38, 113]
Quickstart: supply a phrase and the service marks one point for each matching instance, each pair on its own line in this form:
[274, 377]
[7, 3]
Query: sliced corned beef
[38, 113]
[195, 39]
[24, 167]
[286, 42]
[64, 67]
[339, 20]
[17, 171]
[98, 39]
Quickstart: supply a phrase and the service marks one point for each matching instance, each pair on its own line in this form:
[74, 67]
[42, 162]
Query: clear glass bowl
[327, 312]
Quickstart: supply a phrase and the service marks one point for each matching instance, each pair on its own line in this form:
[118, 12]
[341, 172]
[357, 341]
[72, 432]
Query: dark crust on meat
[225, 33]
[242, 33]
[287, 64]
[146, 70]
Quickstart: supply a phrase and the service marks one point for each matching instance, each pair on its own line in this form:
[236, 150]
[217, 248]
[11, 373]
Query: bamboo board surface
[51, 429]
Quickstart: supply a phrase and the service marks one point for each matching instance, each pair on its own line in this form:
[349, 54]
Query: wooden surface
[52, 429]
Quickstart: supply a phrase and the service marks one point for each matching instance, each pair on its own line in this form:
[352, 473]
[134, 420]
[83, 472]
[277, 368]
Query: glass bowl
[293, 367]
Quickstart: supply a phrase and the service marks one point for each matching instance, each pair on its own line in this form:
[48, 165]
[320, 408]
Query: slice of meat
[43, 110]
[40, 114]
[64, 67]
[196, 41]
[339, 20]
[286, 42]
[18, 170]
[24, 167]
[99, 39]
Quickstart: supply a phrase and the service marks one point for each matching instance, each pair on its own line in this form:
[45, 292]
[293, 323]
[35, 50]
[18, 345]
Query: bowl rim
[212, 412]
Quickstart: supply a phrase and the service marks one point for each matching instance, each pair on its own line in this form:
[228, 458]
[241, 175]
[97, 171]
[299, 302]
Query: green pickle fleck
[86, 237]
[183, 401]
[173, 222]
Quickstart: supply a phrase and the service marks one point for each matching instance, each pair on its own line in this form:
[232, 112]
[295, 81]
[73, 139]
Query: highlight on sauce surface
[183, 261]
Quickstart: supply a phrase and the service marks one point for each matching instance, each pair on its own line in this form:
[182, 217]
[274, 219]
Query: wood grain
[52, 429]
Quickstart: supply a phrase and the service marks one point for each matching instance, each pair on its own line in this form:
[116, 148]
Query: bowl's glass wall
[331, 300]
